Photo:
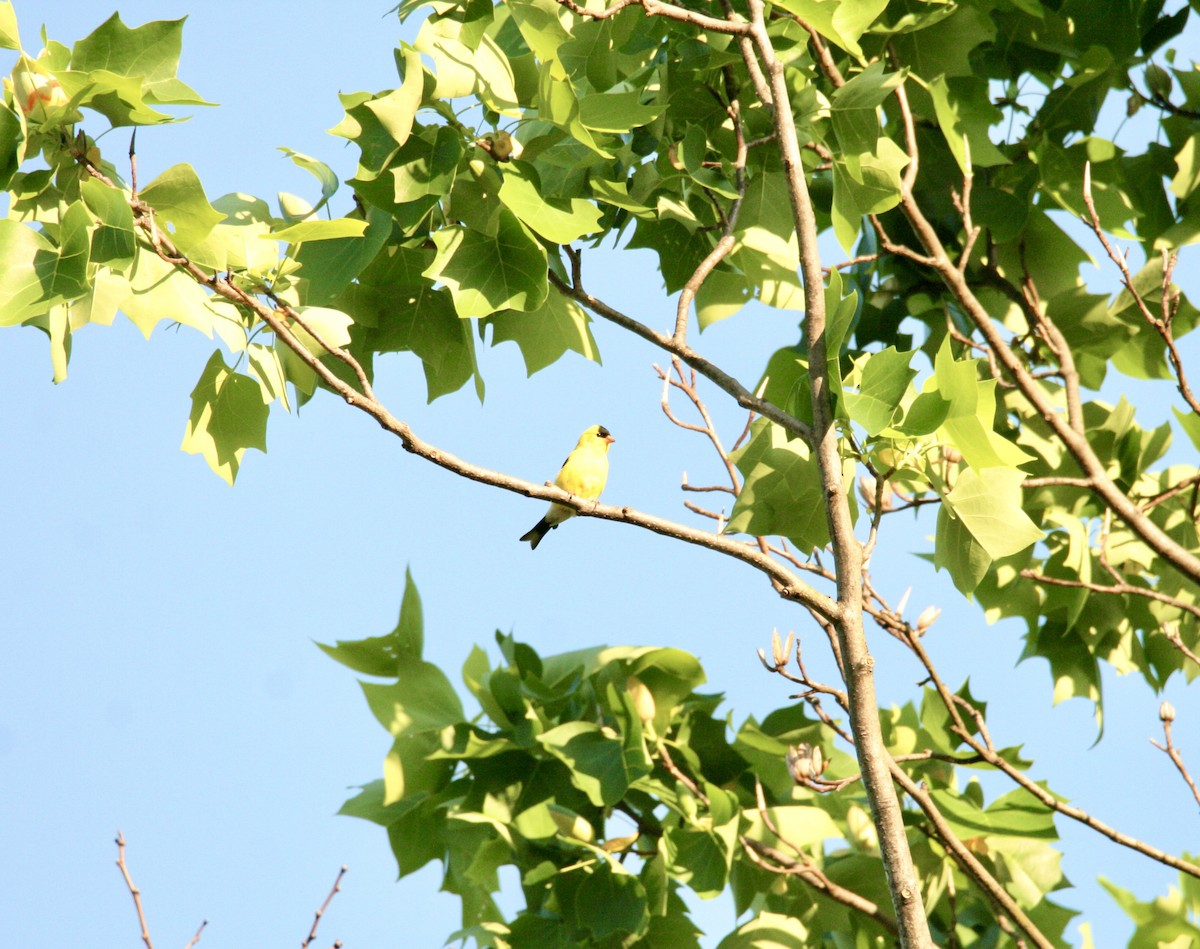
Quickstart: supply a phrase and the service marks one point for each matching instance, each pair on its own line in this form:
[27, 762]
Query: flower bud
[927, 618]
[867, 486]
[643, 698]
[805, 762]
[1166, 712]
[34, 91]
[951, 454]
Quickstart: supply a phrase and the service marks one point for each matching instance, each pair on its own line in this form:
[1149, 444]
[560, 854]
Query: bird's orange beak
[609, 439]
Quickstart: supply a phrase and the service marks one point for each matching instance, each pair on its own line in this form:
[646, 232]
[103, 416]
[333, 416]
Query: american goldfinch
[583, 475]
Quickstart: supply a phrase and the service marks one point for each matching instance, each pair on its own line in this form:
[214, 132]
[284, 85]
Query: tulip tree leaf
[228, 416]
[490, 272]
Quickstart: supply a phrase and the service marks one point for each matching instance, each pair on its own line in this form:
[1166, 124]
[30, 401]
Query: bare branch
[740, 394]
[803, 867]
[968, 862]
[133, 891]
[1115, 588]
[337, 887]
[1166, 714]
[856, 662]
[196, 938]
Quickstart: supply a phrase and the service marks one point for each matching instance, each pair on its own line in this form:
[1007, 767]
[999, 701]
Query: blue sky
[159, 672]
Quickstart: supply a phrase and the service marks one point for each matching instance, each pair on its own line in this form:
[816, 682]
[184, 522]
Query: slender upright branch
[312, 933]
[133, 891]
[1166, 714]
[847, 553]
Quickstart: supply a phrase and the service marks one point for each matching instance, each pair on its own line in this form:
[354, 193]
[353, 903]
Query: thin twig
[1172, 752]
[133, 891]
[337, 887]
[196, 938]
[803, 867]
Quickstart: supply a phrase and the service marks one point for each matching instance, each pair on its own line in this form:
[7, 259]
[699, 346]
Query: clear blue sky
[159, 674]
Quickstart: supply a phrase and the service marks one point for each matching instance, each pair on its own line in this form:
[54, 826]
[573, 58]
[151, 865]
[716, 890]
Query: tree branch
[133, 891]
[859, 665]
[738, 392]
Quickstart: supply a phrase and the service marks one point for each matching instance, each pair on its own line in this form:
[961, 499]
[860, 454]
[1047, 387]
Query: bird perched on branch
[583, 475]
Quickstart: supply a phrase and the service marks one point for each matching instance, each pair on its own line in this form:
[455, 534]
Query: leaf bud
[951, 454]
[927, 618]
[643, 698]
[1166, 712]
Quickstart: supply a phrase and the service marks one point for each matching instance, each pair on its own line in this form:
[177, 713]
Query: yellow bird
[583, 475]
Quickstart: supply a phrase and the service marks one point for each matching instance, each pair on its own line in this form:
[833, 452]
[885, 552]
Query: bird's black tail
[539, 531]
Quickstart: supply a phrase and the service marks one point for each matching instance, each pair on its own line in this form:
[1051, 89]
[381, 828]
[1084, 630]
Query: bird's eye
[603, 432]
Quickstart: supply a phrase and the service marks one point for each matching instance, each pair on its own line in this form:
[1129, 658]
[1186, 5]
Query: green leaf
[885, 379]
[113, 241]
[597, 762]
[611, 904]
[380, 655]
[971, 415]
[782, 493]
[486, 273]
[69, 275]
[557, 220]
[545, 334]
[988, 503]
[10, 37]
[25, 279]
[150, 52]
[1016, 814]
[616, 112]
[319, 170]
[177, 197]
[420, 700]
[965, 112]
[427, 164]
[397, 110]
[842, 22]
[320, 230]
[959, 553]
[159, 291]
[868, 184]
[768, 930]
[326, 267]
[228, 416]
[12, 144]
[854, 105]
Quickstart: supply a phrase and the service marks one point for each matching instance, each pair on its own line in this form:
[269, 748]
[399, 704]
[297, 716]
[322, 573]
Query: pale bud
[1166, 712]
[951, 454]
[777, 653]
[643, 698]
[927, 618]
[805, 762]
[867, 487]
